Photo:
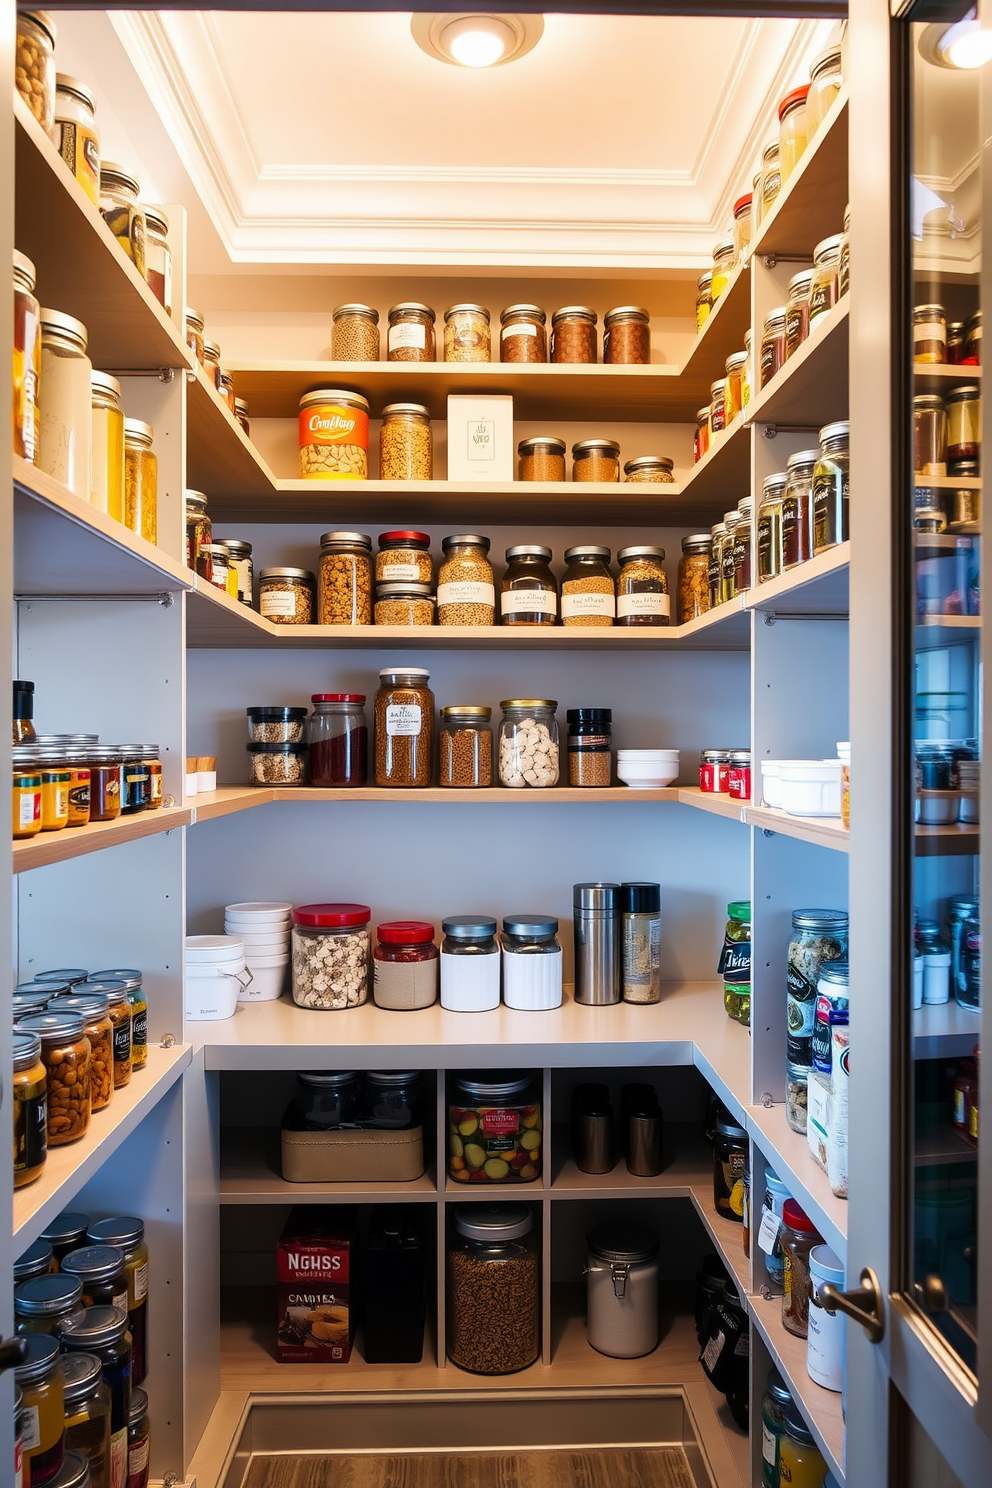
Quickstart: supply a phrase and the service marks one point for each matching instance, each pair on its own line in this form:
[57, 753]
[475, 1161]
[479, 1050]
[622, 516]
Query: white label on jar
[769, 1446]
[407, 333]
[522, 328]
[393, 573]
[403, 719]
[768, 1232]
[466, 591]
[30, 1432]
[141, 1282]
[643, 604]
[118, 1459]
[280, 602]
[534, 601]
[28, 801]
[137, 1458]
[587, 604]
[929, 332]
[120, 1300]
[713, 1350]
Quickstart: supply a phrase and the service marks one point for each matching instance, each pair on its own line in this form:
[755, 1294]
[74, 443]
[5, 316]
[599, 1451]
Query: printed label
[118, 1459]
[643, 604]
[528, 601]
[735, 964]
[713, 1350]
[587, 604]
[929, 331]
[500, 1123]
[394, 573]
[30, 1432]
[768, 1230]
[407, 334]
[139, 1030]
[141, 1282]
[800, 1016]
[122, 1042]
[641, 952]
[480, 440]
[330, 423]
[80, 150]
[137, 1458]
[403, 719]
[769, 1445]
[466, 591]
[521, 328]
[281, 603]
[30, 807]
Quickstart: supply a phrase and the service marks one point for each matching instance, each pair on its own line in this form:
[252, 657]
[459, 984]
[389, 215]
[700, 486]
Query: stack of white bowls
[215, 976]
[647, 769]
[265, 930]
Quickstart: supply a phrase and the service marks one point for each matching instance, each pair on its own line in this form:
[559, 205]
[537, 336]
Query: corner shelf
[811, 388]
[75, 842]
[717, 482]
[250, 1174]
[811, 205]
[788, 1153]
[822, 1409]
[722, 334]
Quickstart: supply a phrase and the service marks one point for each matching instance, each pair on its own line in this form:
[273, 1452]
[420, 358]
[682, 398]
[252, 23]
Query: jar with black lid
[392, 1099]
[573, 334]
[528, 589]
[590, 758]
[327, 1099]
[523, 334]
[642, 588]
[44, 1303]
[87, 1414]
[101, 1270]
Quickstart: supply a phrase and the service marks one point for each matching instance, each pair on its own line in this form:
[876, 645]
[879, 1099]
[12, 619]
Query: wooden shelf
[68, 1168]
[75, 842]
[722, 1052]
[221, 460]
[233, 798]
[822, 831]
[821, 1409]
[959, 840]
[810, 390]
[688, 1165]
[250, 1174]
[789, 1154]
[939, 377]
[726, 1234]
[819, 587]
[722, 334]
[811, 206]
[718, 804]
[717, 482]
[207, 805]
[947, 482]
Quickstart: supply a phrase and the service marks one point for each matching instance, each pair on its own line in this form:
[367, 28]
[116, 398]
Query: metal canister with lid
[622, 1289]
[598, 943]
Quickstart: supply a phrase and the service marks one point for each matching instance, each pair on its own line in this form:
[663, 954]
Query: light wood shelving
[811, 388]
[940, 377]
[811, 205]
[75, 842]
[821, 1408]
[789, 1154]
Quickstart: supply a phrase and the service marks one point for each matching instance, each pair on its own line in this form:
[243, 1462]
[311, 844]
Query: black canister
[590, 737]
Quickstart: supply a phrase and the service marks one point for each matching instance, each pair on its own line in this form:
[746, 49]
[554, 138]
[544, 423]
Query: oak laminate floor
[622, 1467]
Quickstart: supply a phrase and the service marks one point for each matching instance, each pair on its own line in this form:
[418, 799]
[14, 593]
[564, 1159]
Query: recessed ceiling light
[476, 40]
[963, 46]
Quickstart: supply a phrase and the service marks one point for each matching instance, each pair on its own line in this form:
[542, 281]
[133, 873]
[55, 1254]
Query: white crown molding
[494, 175]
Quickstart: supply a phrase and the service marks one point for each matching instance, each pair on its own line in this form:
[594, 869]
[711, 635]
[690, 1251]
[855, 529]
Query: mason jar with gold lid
[573, 334]
[410, 337]
[542, 458]
[653, 469]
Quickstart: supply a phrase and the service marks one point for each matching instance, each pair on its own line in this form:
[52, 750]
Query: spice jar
[718, 536]
[194, 333]
[742, 227]
[627, 336]
[542, 458]
[727, 565]
[64, 402]
[493, 1289]
[410, 337]
[138, 1439]
[622, 1289]
[344, 586]
[26, 803]
[100, 1270]
[590, 759]
[588, 596]
[404, 556]
[107, 446]
[930, 334]
[730, 1159]
[334, 434]
[773, 345]
[466, 594]
[596, 460]
[532, 962]
[404, 604]
[286, 595]
[65, 1051]
[87, 1414]
[140, 480]
[211, 362]
[94, 1008]
[964, 425]
[824, 288]
[642, 588]
[640, 915]
[23, 713]
[199, 535]
[771, 177]
[34, 65]
[724, 256]
[523, 334]
[466, 334]
[694, 568]
[158, 257]
[494, 1120]
[654, 469]
[742, 546]
[39, 1379]
[704, 298]
[733, 396]
[29, 1095]
[714, 770]
[330, 948]
[103, 1331]
[355, 334]
[241, 414]
[528, 591]
[798, 1237]
[123, 213]
[735, 960]
[826, 80]
[105, 782]
[126, 1234]
[797, 507]
[131, 980]
[339, 739]
[465, 746]
[406, 445]
[469, 984]
[797, 311]
[240, 568]
[831, 488]
[573, 334]
[27, 360]
[929, 435]
[792, 130]
[528, 743]
[405, 966]
[404, 727]
[718, 406]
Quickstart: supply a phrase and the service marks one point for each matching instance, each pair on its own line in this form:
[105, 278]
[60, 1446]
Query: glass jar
[798, 1236]
[704, 298]
[125, 1233]
[199, 535]
[792, 130]
[541, 459]
[100, 1271]
[964, 424]
[123, 213]
[831, 488]
[404, 604]
[528, 590]
[211, 362]
[826, 80]
[650, 469]
[404, 556]
[742, 227]
[241, 414]
[718, 537]
[277, 764]
[727, 567]
[138, 1440]
[844, 268]
[773, 344]
[532, 968]
[622, 1289]
[701, 438]
[27, 360]
[776, 1401]
[95, 1010]
[330, 945]
[86, 1404]
[339, 739]
[334, 434]
[694, 570]
[596, 460]
[771, 177]
[344, 586]
[742, 546]
[240, 569]
[523, 334]
[406, 444]
[718, 406]
[724, 256]
[824, 288]
[43, 1303]
[105, 783]
[955, 342]
[37, 1260]
[929, 333]
[29, 1094]
[135, 781]
[469, 972]
[588, 594]
[797, 508]
[404, 727]
[833, 994]
[107, 445]
[158, 257]
[410, 336]
[465, 747]
[494, 1120]
[528, 743]
[797, 311]
[627, 337]
[65, 1052]
[328, 1099]
[929, 435]
[733, 396]
[493, 1289]
[730, 1159]
[23, 729]
[34, 65]
[39, 1380]
[405, 966]
[735, 962]
[818, 935]
[573, 335]
[800, 1459]
[64, 402]
[355, 334]
[194, 333]
[54, 792]
[466, 594]
[642, 588]
[140, 480]
[286, 595]
[132, 982]
[590, 758]
[973, 340]
[466, 334]
[225, 386]
[103, 1331]
[771, 559]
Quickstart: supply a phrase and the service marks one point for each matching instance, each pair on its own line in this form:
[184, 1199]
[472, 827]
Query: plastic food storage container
[331, 955]
[622, 1290]
[810, 787]
[532, 962]
[494, 1289]
[277, 764]
[469, 964]
[276, 725]
[494, 1129]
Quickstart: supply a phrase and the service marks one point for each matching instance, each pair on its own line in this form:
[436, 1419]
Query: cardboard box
[480, 439]
[314, 1261]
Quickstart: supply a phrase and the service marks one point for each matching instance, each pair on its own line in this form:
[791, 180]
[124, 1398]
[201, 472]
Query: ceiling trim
[496, 175]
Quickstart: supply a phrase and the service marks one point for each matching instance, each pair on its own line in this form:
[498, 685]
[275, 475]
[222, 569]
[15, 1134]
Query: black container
[394, 1283]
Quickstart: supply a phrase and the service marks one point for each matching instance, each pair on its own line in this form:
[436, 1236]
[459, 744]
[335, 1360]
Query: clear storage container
[528, 589]
[523, 334]
[330, 947]
[140, 479]
[410, 337]
[406, 444]
[355, 334]
[528, 744]
[107, 446]
[494, 1289]
[158, 257]
[596, 460]
[494, 1126]
[404, 727]
[465, 747]
[466, 334]
[123, 213]
[339, 739]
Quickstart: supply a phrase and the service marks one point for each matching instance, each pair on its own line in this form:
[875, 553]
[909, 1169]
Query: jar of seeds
[590, 760]
[406, 445]
[404, 557]
[523, 334]
[410, 337]
[466, 593]
[596, 460]
[494, 1289]
[656, 469]
[404, 727]
[573, 334]
[588, 596]
[355, 334]
[542, 458]
[345, 586]
[404, 604]
[466, 334]
[286, 595]
[465, 753]
[642, 587]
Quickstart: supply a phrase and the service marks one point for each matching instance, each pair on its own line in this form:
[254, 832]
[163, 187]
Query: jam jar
[405, 965]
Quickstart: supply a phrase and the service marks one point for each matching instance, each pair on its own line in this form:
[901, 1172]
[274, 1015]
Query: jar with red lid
[739, 775]
[701, 439]
[404, 557]
[714, 771]
[742, 226]
[405, 965]
[798, 1237]
[339, 739]
[331, 955]
[792, 130]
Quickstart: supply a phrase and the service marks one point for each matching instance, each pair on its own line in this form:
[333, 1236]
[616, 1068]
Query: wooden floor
[622, 1467]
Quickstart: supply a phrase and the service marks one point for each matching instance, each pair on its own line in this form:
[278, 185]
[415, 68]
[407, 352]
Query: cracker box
[314, 1261]
[480, 438]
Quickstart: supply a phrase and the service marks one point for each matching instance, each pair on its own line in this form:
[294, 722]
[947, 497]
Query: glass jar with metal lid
[404, 603]
[704, 298]
[331, 944]
[724, 255]
[344, 585]
[65, 402]
[31, 997]
[405, 965]
[771, 176]
[964, 424]
[140, 479]
[327, 1099]
[132, 982]
[532, 962]
[37, 1260]
[528, 589]
[797, 508]
[39, 1379]
[652, 469]
[120, 1016]
[772, 345]
[87, 1414]
[103, 1331]
[241, 414]
[466, 334]
[797, 311]
[226, 389]
[694, 569]
[730, 1159]
[138, 1440]
[34, 65]
[27, 359]
[590, 757]
[728, 568]
[973, 340]
[929, 435]
[622, 1289]
[792, 130]
[406, 444]
[701, 438]
[573, 334]
[494, 1120]
[824, 288]
[718, 406]
[199, 535]
[469, 968]
[43, 1303]
[776, 1401]
[465, 747]
[542, 458]
[733, 395]
[211, 362]
[769, 532]
[355, 334]
[523, 334]
[75, 133]
[240, 571]
[466, 594]
[334, 435]
[844, 268]
[627, 336]
[494, 1289]
[158, 257]
[194, 333]
[831, 494]
[125, 1233]
[61, 976]
[95, 1009]
[742, 546]
[286, 595]
[30, 1085]
[392, 1100]
[718, 537]
[339, 739]
[135, 780]
[742, 226]
[929, 333]
[220, 565]
[105, 782]
[596, 460]
[588, 594]
[410, 336]
[123, 212]
[404, 557]
[100, 1270]
[404, 727]
[826, 80]
[642, 587]
[65, 1052]
[107, 446]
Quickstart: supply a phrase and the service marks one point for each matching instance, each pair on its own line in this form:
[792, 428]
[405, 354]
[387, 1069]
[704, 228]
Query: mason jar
[694, 568]
[742, 227]
[64, 402]
[410, 337]
[406, 444]
[742, 546]
[826, 79]
[769, 538]
[824, 287]
[704, 298]
[773, 345]
[771, 176]
[650, 469]
[573, 335]
[701, 438]
[404, 603]
[339, 739]
[95, 1009]
[831, 480]
[718, 406]
[596, 460]
[39, 1379]
[469, 967]
[240, 565]
[542, 458]
[34, 65]
[43, 1303]
[733, 397]
[528, 589]
[728, 568]
[140, 479]
[797, 311]
[27, 360]
[344, 583]
[627, 337]
[792, 130]
[964, 424]
[123, 213]
[642, 588]
[331, 949]
[718, 538]
[158, 257]
[211, 362]
[723, 267]
[103, 1331]
[404, 556]
[797, 508]
[466, 334]
[225, 386]
[528, 743]
[466, 594]
[65, 1050]
[87, 1414]
[107, 446]
[405, 965]
[28, 1093]
[523, 334]
[194, 333]
[355, 334]
[75, 133]
[404, 727]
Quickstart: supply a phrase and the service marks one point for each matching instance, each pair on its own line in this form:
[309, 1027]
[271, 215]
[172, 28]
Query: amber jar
[27, 360]
[94, 1007]
[528, 591]
[105, 783]
[199, 535]
[733, 396]
[573, 334]
[355, 334]
[410, 337]
[588, 592]
[65, 1052]
[29, 1090]
[797, 311]
[523, 334]
[652, 469]
[642, 588]
[797, 1238]
[596, 460]
[772, 344]
[542, 458]
[797, 508]
[694, 568]
[467, 336]
[701, 439]
[627, 336]
[718, 406]
[194, 333]
[211, 362]
[140, 480]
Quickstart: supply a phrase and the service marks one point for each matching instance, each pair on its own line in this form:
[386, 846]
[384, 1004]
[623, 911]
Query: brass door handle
[865, 1306]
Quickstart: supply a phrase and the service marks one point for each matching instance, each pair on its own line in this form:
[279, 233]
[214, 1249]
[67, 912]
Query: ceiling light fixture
[963, 46]
[476, 40]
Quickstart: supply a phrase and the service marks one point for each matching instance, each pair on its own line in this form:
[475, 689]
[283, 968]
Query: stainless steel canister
[598, 937]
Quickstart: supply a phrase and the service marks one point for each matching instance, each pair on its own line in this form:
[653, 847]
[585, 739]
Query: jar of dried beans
[406, 445]
[65, 1052]
[466, 334]
[542, 458]
[404, 727]
[588, 594]
[34, 66]
[404, 604]
[140, 479]
[344, 589]
[410, 337]
[466, 594]
[528, 591]
[94, 1006]
[27, 360]
[286, 595]
[650, 469]
[694, 567]
[339, 739]
[330, 947]
[494, 1289]
[523, 334]
[334, 435]
[573, 334]
[465, 747]
[627, 336]
[590, 758]
[642, 588]
[405, 966]
[596, 460]
[355, 334]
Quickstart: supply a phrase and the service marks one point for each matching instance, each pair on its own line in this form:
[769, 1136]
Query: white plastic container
[262, 912]
[622, 1290]
[265, 942]
[917, 981]
[216, 975]
[213, 949]
[532, 961]
[825, 1336]
[810, 787]
[936, 978]
[266, 985]
[469, 977]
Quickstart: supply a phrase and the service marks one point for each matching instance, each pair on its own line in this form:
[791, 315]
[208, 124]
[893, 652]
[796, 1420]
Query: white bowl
[648, 754]
[266, 984]
[256, 909]
[212, 948]
[647, 775]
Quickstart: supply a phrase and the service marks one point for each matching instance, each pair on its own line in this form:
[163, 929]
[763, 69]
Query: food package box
[352, 1156]
[480, 439]
[313, 1264]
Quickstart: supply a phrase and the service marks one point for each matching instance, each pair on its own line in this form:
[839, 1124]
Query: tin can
[739, 775]
[714, 770]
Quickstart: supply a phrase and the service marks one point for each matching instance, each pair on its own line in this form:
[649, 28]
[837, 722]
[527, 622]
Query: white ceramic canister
[825, 1337]
[469, 964]
[532, 977]
[622, 1290]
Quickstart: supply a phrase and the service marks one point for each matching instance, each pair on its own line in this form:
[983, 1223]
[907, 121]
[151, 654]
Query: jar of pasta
[694, 568]
[528, 591]
[642, 587]
[404, 557]
[792, 130]
[27, 359]
[194, 333]
[158, 257]
[772, 344]
[410, 337]
[466, 334]
[64, 402]
[355, 334]
[344, 594]
[406, 445]
[542, 458]
[588, 595]
[94, 1006]
[466, 593]
[29, 1089]
[123, 213]
[65, 1051]
[824, 288]
[39, 1380]
[656, 469]
[596, 460]
[826, 80]
[704, 298]
[107, 446]
[34, 65]
[627, 336]
[523, 334]
[140, 479]
[404, 603]
[573, 334]
[334, 433]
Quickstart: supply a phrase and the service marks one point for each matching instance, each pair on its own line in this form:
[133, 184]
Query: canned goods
[739, 775]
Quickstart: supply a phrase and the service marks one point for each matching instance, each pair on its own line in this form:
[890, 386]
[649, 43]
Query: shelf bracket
[772, 260]
[164, 374]
[772, 431]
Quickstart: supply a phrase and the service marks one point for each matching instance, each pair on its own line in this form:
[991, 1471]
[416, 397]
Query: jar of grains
[404, 727]
[733, 394]
[277, 764]
[404, 604]
[724, 254]
[406, 444]
[34, 68]
[798, 1237]
[27, 360]
[772, 345]
[769, 540]
[95, 1009]
[701, 438]
[465, 747]
[694, 569]
[528, 590]
[494, 1289]
[355, 334]
[797, 311]
[523, 334]
[742, 227]
[494, 1119]
[330, 945]
[831, 488]
[588, 596]
[123, 213]
[404, 556]
[410, 337]
[158, 257]
[797, 508]
[39, 1379]
[627, 336]
[241, 414]
[704, 298]
[334, 435]
[466, 334]
[65, 1052]
[718, 406]
[469, 984]
[339, 739]
[64, 402]
[642, 587]
[824, 288]
[596, 460]
[653, 469]
[573, 334]
[344, 587]
[106, 445]
[286, 595]
[194, 333]
[528, 743]
[405, 966]
[590, 760]
[29, 1088]
[532, 961]
[140, 479]
[466, 593]
[792, 130]
[542, 458]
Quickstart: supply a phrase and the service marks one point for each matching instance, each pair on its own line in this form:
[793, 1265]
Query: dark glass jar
[523, 334]
[103, 1331]
[590, 758]
[326, 1100]
[65, 1233]
[393, 1099]
[730, 1161]
[339, 739]
[627, 336]
[136, 790]
[44, 1303]
[126, 1233]
[528, 590]
[797, 507]
[105, 783]
[138, 1440]
[87, 1414]
[100, 1269]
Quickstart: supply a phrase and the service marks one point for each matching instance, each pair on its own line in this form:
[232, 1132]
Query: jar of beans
[494, 1289]
[656, 469]
[410, 337]
[694, 566]
[642, 587]
[465, 747]
[404, 556]
[406, 445]
[404, 604]
[627, 336]
[528, 591]
[405, 965]
[355, 334]
[95, 1008]
[573, 334]
[523, 334]
[344, 595]
[542, 458]
[596, 460]
[34, 70]
[404, 727]
[339, 739]
[466, 334]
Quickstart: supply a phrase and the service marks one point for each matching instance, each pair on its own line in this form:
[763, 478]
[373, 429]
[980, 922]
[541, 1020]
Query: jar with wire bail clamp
[622, 1290]
[642, 588]
[523, 334]
[528, 589]
[573, 335]
[627, 336]
[465, 747]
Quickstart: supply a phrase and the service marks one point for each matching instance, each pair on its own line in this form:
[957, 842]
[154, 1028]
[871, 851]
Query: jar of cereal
[331, 945]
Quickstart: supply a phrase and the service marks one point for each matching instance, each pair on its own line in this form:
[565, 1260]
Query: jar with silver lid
[653, 468]
[494, 1128]
[469, 965]
[466, 334]
[573, 335]
[286, 595]
[523, 334]
[542, 458]
[406, 444]
[194, 333]
[824, 287]
[355, 334]
[797, 311]
[76, 135]
[239, 559]
[528, 589]
[494, 1289]
[596, 460]
[642, 587]
[106, 445]
[219, 565]
[158, 257]
[64, 401]
[45, 1303]
[627, 336]
[410, 337]
[622, 1290]
[532, 962]
[123, 213]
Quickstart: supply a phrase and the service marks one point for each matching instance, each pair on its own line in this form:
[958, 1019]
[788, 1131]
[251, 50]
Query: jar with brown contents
[588, 596]
[65, 1052]
[404, 557]
[642, 588]
[286, 595]
[596, 460]
[404, 604]
[466, 334]
[528, 592]
[627, 336]
[590, 758]
[29, 1090]
[27, 360]
[120, 1018]
[694, 582]
[653, 469]
[523, 334]
[404, 727]
[465, 752]
[34, 65]
[344, 595]
[466, 594]
[410, 337]
[542, 458]
[494, 1289]
[94, 1007]
[355, 334]
[406, 444]
[573, 334]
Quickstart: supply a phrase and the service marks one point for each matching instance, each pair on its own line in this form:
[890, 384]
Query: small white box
[480, 439]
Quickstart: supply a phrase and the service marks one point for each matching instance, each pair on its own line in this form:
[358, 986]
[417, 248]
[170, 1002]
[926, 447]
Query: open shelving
[75, 842]
[822, 1409]
[810, 206]
[811, 387]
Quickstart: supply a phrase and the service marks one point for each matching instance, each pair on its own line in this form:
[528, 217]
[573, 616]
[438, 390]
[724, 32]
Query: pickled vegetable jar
[494, 1129]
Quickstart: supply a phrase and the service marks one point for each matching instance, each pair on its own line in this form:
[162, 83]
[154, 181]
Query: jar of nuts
[528, 743]
[34, 65]
[95, 1009]
[466, 334]
[65, 1052]
[285, 595]
[588, 596]
[528, 591]
[573, 334]
[404, 604]
[596, 460]
[466, 593]
[334, 435]
[542, 458]
[344, 590]
[524, 334]
[278, 764]
[406, 445]
[627, 336]
[654, 468]
[331, 945]
[465, 746]
[404, 727]
[410, 337]
[355, 334]
[642, 587]
[404, 556]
